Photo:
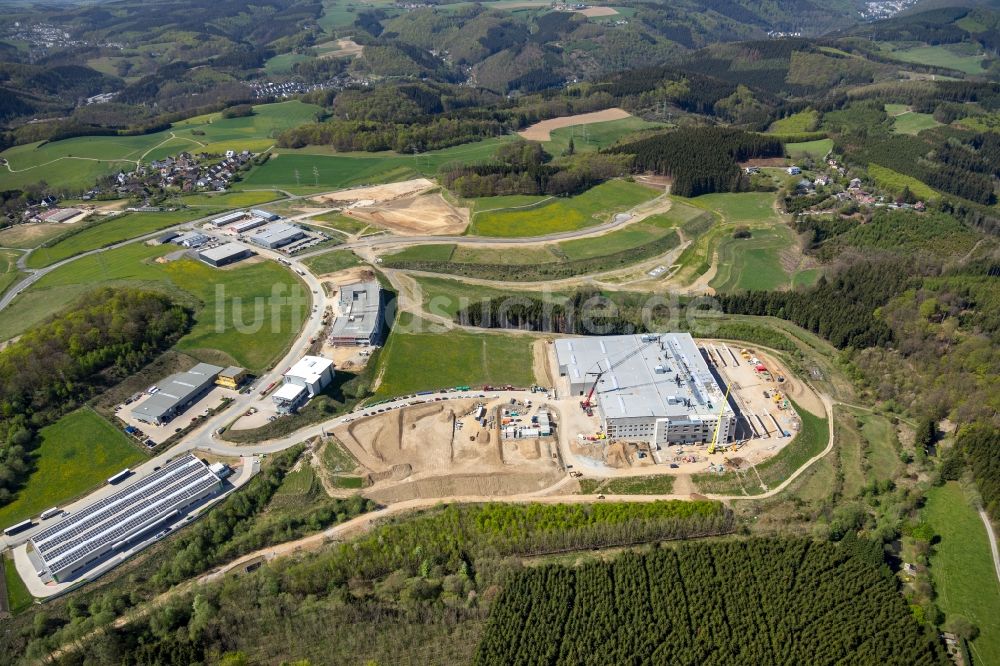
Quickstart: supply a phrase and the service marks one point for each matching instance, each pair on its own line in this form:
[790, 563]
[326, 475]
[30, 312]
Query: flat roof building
[655, 388]
[176, 393]
[224, 254]
[247, 225]
[191, 239]
[231, 377]
[277, 235]
[289, 397]
[361, 316]
[96, 532]
[312, 372]
[228, 218]
[267, 216]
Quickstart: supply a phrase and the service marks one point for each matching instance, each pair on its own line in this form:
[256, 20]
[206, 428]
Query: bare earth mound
[540, 131]
[376, 193]
[428, 214]
[346, 48]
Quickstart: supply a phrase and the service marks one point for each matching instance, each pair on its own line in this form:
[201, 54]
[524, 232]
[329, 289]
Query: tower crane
[586, 403]
[718, 425]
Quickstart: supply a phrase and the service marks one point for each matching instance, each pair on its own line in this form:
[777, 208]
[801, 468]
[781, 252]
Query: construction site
[662, 404]
[485, 446]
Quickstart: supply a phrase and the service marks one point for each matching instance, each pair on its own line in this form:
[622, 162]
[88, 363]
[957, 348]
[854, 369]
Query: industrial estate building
[191, 239]
[361, 317]
[277, 235]
[176, 393]
[93, 534]
[265, 215]
[224, 254]
[228, 218]
[244, 226]
[302, 381]
[656, 389]
[231, 377]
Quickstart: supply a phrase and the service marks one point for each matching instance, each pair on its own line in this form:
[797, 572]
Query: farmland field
[75, 454]
[905, 121]
[962, 568]
[318, 170]
[331, 262]
[30, 235]
[895, 182]
[587, 138]
[940, 56]
[412, 361]
[76, 163]
[738, 207]
[108, 232]
[233, 293]
[753, 263]
[591, 208]
[235, 199]
[339, 222]
[814, 149]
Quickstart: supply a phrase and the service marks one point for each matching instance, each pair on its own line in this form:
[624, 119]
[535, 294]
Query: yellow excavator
[718, 425]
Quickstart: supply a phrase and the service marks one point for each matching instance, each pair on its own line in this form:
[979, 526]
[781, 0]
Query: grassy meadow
[962, 568]
[411, 362]
[108, 232]
[593, 207]
[817, 149]
[223, 300]
[75, 454]
[331, 262]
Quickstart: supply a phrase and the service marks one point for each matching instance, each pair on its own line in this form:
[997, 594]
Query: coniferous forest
[777, 601]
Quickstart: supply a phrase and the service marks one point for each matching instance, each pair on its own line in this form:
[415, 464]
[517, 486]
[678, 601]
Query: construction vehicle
[718, 424]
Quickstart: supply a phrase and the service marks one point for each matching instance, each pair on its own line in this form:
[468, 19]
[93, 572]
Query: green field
[940, 56]
[588, 138]
[803, 121]
[631, 237]
[314, 169]
[591, 208]
[109, 232]
[412, 362]
[895, 182]
[339, 222]
[76, 163]
[753, 263]
[228, 200]
[473, 254]
[445, 297]
[211, 292]
[8, 268]
[18, 596]
[658, 484]
[738, 207]
[331, 262]
[283, 63]
[962, 568]
[75, 454]
[27, 236]
[814, 149]
[905, 121]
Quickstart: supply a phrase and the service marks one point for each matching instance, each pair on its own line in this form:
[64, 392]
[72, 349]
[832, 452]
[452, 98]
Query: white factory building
[654, 388]
[308, 377]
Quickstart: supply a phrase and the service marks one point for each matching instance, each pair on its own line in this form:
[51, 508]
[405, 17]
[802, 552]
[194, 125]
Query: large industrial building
[224, 254]
[361, 318]
[654, 388]
[277, 235]
[176, 393]
[302, 381]
[93, 534]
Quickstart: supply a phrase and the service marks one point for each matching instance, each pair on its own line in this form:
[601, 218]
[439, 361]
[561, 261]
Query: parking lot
[158, 434]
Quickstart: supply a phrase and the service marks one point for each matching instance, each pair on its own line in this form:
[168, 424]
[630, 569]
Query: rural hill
[504, 332]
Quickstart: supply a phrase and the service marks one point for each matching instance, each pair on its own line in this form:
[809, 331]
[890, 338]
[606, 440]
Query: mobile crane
[718, 425]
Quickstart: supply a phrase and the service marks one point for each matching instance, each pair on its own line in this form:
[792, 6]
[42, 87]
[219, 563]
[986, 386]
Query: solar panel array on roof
[88, 535]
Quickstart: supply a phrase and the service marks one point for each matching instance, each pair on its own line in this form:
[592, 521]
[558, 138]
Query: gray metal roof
[641, 374]
[124, 514]
[176, 390]
[360, 304]
[277, 233]
[223, 252]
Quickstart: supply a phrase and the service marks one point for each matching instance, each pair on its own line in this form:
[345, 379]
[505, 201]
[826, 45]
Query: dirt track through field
[541, 131]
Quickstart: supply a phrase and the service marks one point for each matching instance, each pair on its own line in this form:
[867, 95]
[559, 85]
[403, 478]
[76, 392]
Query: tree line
[701, 160]
[53, 368]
